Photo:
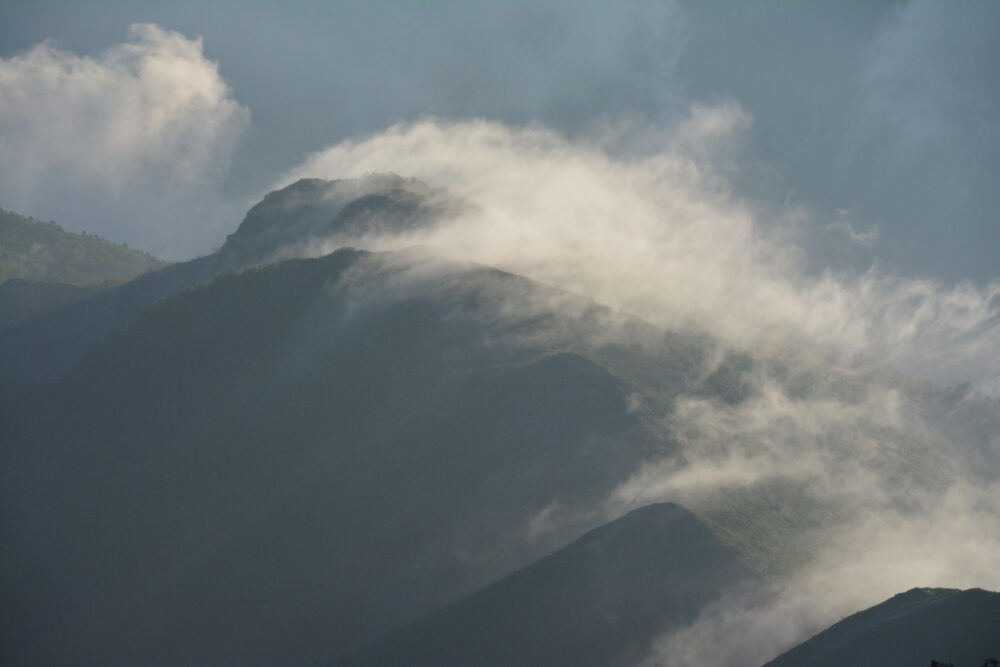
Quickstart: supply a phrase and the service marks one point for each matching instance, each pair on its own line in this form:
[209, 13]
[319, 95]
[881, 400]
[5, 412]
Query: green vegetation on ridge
[42, 251]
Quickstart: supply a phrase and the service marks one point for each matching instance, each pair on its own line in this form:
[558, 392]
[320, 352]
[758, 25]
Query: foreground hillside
[301, 440]
[599, 601]
[961, 628]
[33, 250]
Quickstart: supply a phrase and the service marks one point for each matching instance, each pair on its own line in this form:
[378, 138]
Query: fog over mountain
[525, 302]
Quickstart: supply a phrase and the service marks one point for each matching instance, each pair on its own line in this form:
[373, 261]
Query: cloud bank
[663, 237]
[868, 463]
[132, 144]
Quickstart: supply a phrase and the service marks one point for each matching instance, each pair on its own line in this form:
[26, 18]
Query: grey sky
[873, 116]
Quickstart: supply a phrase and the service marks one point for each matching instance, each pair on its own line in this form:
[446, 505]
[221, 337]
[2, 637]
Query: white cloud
[875, 460]
[660, 235]
[132, 144]
[953, 545]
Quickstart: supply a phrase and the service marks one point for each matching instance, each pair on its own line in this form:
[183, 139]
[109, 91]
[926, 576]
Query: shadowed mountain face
[286, 462]
[957, 627]
[289, 461]
[22, 301]
[599, 601]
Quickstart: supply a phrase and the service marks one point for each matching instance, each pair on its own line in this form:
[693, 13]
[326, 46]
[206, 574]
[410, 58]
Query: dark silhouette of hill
[39, 251]
[600, 601]
[289, 461]
[912, 628]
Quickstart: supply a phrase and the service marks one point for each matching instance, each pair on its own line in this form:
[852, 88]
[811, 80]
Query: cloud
[854, 486]
[662, 236]
[851, 461]
[635, 209]
[865, 238]
[132, 144]
[952, 545]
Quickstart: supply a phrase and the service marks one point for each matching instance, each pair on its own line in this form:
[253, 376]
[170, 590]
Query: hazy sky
[880, 120]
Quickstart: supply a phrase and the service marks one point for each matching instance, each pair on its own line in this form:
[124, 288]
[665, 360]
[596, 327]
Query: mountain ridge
[286, 405]
[922, 624]
[36, 251]
[601, 600]
[43, 347]
[287, 457]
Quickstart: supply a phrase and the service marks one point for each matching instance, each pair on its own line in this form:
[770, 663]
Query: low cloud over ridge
[663, 236]
[884, 467]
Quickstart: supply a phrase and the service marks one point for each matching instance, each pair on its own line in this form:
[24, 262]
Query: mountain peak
[314, 210]
[910, 628]
[44, 252]
[599, 600]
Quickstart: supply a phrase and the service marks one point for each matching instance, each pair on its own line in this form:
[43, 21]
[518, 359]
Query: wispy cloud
[870, 460]
[864, 237]
[662, 236]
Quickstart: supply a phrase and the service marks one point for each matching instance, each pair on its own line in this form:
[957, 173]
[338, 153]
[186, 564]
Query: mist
[663, 237]
[894, 478]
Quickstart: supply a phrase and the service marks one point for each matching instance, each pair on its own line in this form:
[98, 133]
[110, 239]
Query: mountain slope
[249, 459]
[912, 628]
[289, 461]
[600, 601]
[282, 225]
[43, 252]
[22, 301]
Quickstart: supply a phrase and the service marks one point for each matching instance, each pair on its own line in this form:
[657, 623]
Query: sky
[880, 120]
[814, 183]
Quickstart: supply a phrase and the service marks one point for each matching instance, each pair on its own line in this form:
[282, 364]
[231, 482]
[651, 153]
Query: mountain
[316, 211]
[599, 601]
[293, 449]
[292, 460]
[283, 462]
[22, 301]
[923, 624]
[38, 251]
[284, 224]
